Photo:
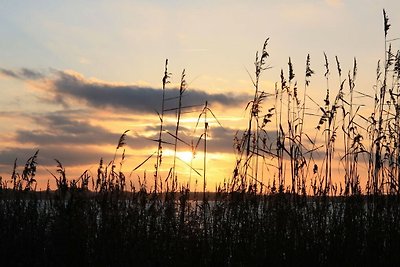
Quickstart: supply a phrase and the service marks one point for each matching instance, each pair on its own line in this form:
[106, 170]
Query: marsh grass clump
[282, 205]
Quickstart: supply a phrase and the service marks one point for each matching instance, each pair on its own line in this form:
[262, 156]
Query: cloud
[62, 130]
[65, 131]
[23, 74]
[71, 156]
[220, 139]
[130, 97]
[65, 86]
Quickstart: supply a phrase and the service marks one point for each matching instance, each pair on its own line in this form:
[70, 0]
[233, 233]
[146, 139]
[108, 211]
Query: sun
[186, 156]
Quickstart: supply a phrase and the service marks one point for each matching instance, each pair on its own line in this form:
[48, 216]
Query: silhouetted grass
[115, 228]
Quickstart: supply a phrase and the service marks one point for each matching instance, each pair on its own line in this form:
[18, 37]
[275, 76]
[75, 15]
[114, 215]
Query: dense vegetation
[112, 228]
[299, 217]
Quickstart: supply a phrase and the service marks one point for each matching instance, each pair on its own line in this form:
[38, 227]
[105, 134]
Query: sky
[74, 75]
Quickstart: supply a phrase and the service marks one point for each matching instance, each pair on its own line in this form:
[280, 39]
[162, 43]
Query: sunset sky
[74, 75]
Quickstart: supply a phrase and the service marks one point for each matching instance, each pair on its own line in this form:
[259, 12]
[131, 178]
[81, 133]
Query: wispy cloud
[22, 74]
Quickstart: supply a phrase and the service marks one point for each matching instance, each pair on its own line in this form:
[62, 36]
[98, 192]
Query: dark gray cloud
[59, 129]
[220, 139]
[133, 98]
[140, 99]
[23, 74]
[62, 130]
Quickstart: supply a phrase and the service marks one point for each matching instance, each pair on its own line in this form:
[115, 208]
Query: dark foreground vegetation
[281, 206]
[73, 227]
